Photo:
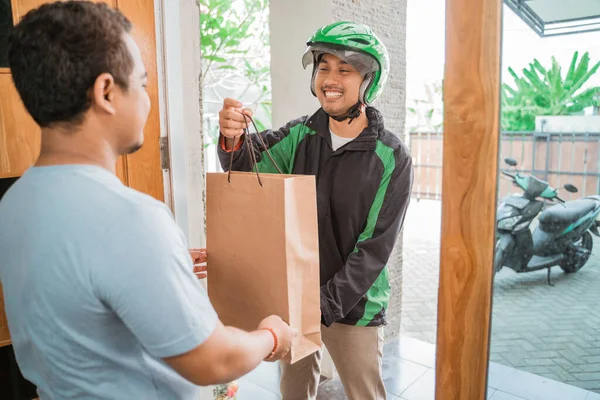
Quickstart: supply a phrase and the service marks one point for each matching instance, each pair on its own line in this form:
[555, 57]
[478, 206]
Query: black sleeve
[281, 143]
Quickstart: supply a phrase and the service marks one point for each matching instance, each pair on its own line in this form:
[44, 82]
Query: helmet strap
[353, 113]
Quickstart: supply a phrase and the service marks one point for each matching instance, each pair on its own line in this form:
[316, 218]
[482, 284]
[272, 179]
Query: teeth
[333, 95]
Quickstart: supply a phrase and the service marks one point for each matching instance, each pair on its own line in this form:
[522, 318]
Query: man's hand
[232, 121]
[199, 260]
[285, 335]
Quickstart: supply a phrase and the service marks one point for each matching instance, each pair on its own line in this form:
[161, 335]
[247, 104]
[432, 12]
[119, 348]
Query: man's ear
[103, 93]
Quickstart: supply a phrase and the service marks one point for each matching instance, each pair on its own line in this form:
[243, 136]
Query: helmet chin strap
[352, 114]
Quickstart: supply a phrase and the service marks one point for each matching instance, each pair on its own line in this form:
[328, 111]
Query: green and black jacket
[363, 191]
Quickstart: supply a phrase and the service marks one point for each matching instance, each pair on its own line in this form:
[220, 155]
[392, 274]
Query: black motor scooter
[562, 237]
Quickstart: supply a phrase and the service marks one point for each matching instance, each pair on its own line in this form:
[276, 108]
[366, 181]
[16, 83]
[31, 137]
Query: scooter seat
[562, 215]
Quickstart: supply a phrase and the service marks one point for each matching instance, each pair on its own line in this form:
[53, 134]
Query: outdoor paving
[409, 374]
[553, 332]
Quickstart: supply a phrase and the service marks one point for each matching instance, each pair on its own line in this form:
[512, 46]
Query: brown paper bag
[263, 255]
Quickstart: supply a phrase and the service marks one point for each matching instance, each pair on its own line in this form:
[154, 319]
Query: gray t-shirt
[338, 141]
[98, 286]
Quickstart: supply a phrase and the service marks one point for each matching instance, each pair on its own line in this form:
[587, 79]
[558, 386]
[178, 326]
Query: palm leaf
[584, 78]
[570, 78]
[582, 68]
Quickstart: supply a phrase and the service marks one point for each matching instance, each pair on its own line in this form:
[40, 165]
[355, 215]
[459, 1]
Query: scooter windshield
[535, 187]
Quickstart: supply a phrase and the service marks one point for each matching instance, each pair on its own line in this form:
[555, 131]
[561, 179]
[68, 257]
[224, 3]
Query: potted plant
[226, 391]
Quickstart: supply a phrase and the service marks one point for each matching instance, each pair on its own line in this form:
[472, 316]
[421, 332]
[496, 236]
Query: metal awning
[558, 17]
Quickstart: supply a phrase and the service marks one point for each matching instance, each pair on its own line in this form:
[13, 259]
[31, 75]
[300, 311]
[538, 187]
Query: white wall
[178, 40]
[568, 123]
[291, 24]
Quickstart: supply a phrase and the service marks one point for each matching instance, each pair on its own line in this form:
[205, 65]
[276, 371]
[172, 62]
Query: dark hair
[58, 50]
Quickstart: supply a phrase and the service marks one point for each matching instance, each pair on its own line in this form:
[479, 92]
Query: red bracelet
[275, 339]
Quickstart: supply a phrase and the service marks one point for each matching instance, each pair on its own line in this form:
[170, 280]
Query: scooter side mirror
[511, 161]
[570, 188]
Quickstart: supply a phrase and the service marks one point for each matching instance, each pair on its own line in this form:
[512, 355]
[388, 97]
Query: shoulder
[295, 130]
[139, 213]
[298, 121]
[393, 151]
[146, 215]
[135, 216]
[298, 125]
[386, 140]
[394, 143]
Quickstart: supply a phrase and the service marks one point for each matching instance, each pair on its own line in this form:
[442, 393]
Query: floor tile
[251, 391]
[422, 389]
[399, 374]
[534, 387]
[498, 374]
[413, 350]
[490, 393]
[332, 390]
[266, 375]
[499, 395]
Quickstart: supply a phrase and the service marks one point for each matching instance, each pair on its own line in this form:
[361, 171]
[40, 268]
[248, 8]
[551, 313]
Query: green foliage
[224, 26]
[542, 91]
[234, 46]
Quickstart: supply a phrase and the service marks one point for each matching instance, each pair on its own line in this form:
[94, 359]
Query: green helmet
[358, 46]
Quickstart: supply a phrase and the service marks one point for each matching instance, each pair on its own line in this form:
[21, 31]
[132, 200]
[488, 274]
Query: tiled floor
[409, 375]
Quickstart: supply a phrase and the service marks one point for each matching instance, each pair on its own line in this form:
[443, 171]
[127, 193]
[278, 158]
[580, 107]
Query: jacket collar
[367, 140]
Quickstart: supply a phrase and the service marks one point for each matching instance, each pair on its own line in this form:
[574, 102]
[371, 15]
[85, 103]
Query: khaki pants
[357, 353]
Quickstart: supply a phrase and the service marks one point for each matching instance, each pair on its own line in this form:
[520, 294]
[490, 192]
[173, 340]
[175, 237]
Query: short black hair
[57, 51]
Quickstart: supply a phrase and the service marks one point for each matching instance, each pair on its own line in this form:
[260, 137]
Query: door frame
[469, 197]
[180, 102]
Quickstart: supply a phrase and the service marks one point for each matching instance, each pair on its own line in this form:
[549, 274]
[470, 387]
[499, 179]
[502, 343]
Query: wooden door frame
[469, 197]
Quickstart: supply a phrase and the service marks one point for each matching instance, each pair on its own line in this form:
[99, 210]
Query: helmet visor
[361, 62]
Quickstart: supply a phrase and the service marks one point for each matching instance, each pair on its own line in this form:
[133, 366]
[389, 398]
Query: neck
[82, 146]
[352, 130]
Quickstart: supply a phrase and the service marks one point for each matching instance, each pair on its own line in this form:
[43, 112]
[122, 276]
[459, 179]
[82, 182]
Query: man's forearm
[226, 355]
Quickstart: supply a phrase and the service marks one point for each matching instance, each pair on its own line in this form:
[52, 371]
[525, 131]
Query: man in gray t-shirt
[97, 277]
[100, 294]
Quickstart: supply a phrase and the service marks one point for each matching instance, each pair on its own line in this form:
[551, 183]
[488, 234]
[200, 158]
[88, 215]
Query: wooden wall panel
[470, 163]
[121, 170]
[21, 7]
[4, 334]
[144, 167]
[19, 134]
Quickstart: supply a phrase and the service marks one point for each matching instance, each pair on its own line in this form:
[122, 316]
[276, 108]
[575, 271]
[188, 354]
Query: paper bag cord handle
[250, 149]
[264, 144]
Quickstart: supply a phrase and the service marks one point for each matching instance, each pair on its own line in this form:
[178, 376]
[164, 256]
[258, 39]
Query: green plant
[234, 47]
[542, 91]
[426, 114]
[224, 26]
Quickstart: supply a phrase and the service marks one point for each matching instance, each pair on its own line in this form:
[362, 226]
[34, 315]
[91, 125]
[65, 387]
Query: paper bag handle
[250, 148]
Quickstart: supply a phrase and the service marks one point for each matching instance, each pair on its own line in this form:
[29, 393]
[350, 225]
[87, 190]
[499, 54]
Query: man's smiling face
[337, 85]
